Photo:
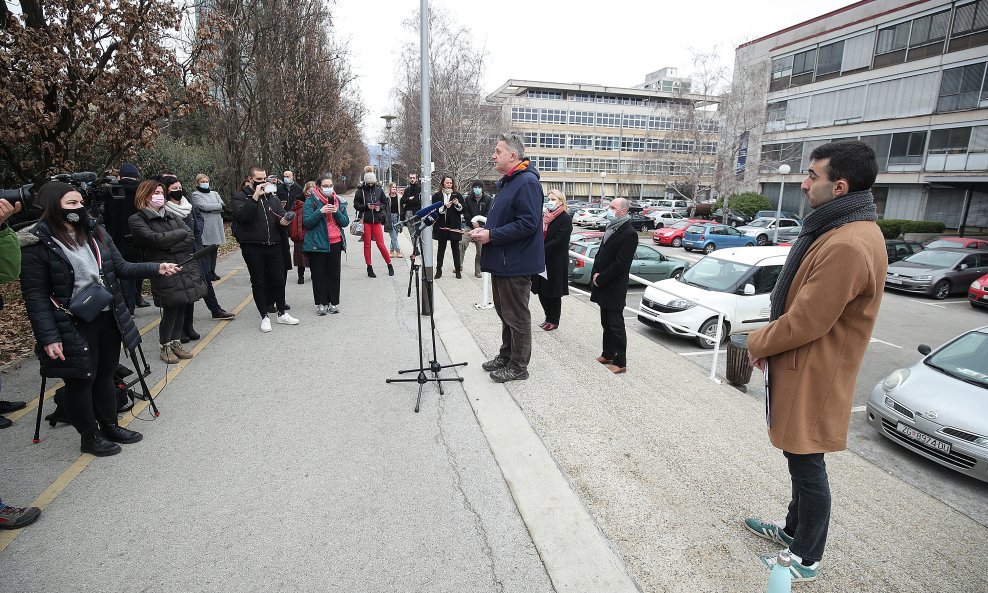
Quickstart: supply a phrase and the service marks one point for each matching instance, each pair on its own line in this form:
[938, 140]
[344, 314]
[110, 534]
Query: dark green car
[649, 263]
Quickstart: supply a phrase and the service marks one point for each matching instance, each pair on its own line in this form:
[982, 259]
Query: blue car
[710, 237]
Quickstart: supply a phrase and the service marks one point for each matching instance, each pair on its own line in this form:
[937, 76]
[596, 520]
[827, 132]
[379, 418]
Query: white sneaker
[321, 310]
[265, 324]
[287, 319]
[333, 309]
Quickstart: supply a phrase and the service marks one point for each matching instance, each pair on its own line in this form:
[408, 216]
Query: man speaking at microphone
[513, 253]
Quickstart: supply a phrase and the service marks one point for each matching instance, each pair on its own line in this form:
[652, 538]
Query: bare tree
[463, 124]
[742, 118]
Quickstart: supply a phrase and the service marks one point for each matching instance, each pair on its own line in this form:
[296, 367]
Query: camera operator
[118, 207]
[257, 222]
[69, 254]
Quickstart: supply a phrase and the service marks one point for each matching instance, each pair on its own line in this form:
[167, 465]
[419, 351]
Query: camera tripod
[434, 367]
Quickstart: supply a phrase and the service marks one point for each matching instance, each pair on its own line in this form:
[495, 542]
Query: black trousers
[171, 324]
[98, 390]
[809, 511]
[553, 307]
[454, 246]
[325, 269]
[211, 263]
[266, 267]
[615, 342]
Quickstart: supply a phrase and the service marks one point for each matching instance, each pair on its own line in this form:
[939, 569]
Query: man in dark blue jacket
[512, 253]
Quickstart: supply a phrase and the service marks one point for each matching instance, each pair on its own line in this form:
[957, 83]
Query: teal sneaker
[800, 573]
[771, 531]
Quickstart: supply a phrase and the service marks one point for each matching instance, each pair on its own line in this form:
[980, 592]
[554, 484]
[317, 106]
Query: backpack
[296, 230]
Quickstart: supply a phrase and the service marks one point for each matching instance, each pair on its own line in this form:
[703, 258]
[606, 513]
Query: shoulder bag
[92, 299]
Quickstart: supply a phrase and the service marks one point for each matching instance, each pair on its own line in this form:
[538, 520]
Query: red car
[955, 242]
[977, 293]
[673, 234]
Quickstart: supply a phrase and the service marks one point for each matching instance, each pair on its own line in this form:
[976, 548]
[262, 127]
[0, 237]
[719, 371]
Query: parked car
[937, 273]
[649, 263]
[710, 237]
[734, 218]
[586, 213]
[936, 407]
[763, 229]
[661, 218]
[788, 235]
[783, 214]
[737, 282]
[958, 242]
[899, 249]
[584, 235]
[638, 222]
[977, 293]
[673, 234]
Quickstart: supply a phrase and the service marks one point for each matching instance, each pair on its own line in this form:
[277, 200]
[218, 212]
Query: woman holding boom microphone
[74, 257]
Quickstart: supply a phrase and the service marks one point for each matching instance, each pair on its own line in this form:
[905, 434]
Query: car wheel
[679, 273]
[749, 244]
[709, 248]
[709, 329]
[762, 239]
[677, 242]
[659, 225]
[941, 290]
[687, 248]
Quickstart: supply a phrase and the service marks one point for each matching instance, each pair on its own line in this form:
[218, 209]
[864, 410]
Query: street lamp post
[603, 174]
[380, 159]
[783, 170]
[387, 136]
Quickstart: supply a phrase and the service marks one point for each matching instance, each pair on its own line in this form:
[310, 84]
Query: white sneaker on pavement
[265, 324]
[287, 319]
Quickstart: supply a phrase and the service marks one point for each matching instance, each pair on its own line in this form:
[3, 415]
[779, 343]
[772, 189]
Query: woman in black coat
[609, 278]
[451, 217]
[557, 226]
[66, 252]
[163, 237]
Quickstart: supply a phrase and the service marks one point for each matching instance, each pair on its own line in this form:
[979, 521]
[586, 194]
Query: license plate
[984, 297]
[893, 281]
[920, 437]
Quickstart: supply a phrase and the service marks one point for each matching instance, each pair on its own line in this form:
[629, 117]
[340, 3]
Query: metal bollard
[486, 302]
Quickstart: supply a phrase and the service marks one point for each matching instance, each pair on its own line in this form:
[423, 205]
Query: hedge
[892, 228]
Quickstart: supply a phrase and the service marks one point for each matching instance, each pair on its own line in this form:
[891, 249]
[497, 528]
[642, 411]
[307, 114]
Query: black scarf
[855, 206]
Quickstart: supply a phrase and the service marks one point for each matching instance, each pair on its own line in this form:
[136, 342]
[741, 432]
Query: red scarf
[549, 216]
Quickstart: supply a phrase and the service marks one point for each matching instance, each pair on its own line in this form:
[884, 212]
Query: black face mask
[74, 216]
[176, 195]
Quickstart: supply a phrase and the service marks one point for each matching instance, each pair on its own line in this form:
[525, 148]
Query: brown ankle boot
[167, 356]
[180, 352]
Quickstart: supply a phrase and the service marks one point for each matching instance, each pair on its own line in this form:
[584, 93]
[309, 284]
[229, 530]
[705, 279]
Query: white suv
[737, 282]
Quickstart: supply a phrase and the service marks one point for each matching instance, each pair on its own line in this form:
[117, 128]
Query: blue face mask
[477, 191]
[610, 215]
[551, 206]
[204, 186]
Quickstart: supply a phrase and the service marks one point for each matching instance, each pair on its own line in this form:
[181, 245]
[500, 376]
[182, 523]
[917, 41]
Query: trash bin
[738, 367]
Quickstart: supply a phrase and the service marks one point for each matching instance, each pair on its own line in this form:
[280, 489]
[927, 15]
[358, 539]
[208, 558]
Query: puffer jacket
[168, 239]
[372, 194]
[257, 222]
[46, 274]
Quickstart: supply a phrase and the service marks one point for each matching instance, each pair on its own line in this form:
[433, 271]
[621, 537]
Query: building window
[585, 97]
[633, 144]
[607, 142]
[781, 72]
[659, 123]
[830, 59]
[961, 88]
[606, 99]
[580, 142]
[773, 155]
[552, 116]
[609, 120]
[581, 118]
[579, 165]
[803, 65]
[893, 38]
[605, 165]
[907, 148]
[928, 34]
[548, 163]
[552, 140]
[636, 121]
[525, 114]
[540, 94]
[970, 18]
[531, 138]
[950, 141]
[776, 119]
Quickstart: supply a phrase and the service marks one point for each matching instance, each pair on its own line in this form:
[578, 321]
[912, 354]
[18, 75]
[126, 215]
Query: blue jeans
[809, 511]
[394, 232]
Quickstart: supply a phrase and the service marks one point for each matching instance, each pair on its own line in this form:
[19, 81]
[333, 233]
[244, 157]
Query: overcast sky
[614, 43]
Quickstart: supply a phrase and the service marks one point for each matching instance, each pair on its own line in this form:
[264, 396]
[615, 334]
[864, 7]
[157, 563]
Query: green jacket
[314, 221]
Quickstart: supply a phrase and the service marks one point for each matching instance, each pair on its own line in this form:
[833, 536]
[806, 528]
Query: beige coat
[815, 348]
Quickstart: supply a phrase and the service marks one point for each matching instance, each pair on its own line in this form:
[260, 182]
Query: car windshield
[715, 274]
[761, 222]
[934, 259]
[695, 229]
[944, 243]
[679, 225]
[966, 358]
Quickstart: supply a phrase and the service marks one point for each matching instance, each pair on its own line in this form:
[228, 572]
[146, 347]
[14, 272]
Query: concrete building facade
[908, 78]
[592, 140]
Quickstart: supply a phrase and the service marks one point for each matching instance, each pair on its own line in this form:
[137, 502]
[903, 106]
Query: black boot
[391, 270]
[370, 272]
[117, 434]
[94, 443]
[189, 335]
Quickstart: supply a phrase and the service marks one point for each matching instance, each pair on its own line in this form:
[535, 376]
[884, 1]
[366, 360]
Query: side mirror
[748, 290]
[924, 349]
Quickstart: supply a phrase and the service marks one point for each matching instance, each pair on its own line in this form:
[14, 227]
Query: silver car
[937, 272]
[939, 406]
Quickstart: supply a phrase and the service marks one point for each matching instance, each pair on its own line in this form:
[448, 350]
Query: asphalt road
[905, 321]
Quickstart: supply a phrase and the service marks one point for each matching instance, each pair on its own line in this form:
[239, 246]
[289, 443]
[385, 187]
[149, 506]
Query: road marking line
[876, 340]
[66, 477]
[33, 404]
[695, 353]
[859, 408]
[927, 304]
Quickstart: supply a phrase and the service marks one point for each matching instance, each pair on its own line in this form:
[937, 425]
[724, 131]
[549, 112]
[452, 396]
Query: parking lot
[905, 321]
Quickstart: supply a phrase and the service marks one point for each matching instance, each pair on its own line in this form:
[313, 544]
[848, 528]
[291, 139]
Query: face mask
[157, 200]
[477, 191]
[610, 215]
[326, 191]
[176, 195]
[204, 186]
[551, 206]
[288, 180]
[74, 216]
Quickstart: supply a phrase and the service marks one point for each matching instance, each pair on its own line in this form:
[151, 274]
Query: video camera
[94, 192]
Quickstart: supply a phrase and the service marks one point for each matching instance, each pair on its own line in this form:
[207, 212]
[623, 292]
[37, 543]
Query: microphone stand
[434, 367]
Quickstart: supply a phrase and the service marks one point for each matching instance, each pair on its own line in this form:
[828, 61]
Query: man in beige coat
[824, 307]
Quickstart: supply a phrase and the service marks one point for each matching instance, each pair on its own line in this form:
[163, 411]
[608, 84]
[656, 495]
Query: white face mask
[551, 206]
[204, 186]
[288, 180]
[326, 191]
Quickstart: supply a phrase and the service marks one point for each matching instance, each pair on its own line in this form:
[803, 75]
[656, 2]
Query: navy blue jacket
[515, 223]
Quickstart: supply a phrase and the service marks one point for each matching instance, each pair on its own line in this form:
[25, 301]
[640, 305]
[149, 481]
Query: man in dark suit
[609, 283]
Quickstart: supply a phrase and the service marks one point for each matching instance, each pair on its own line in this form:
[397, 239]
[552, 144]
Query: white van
[736, 281]
[677, 206]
